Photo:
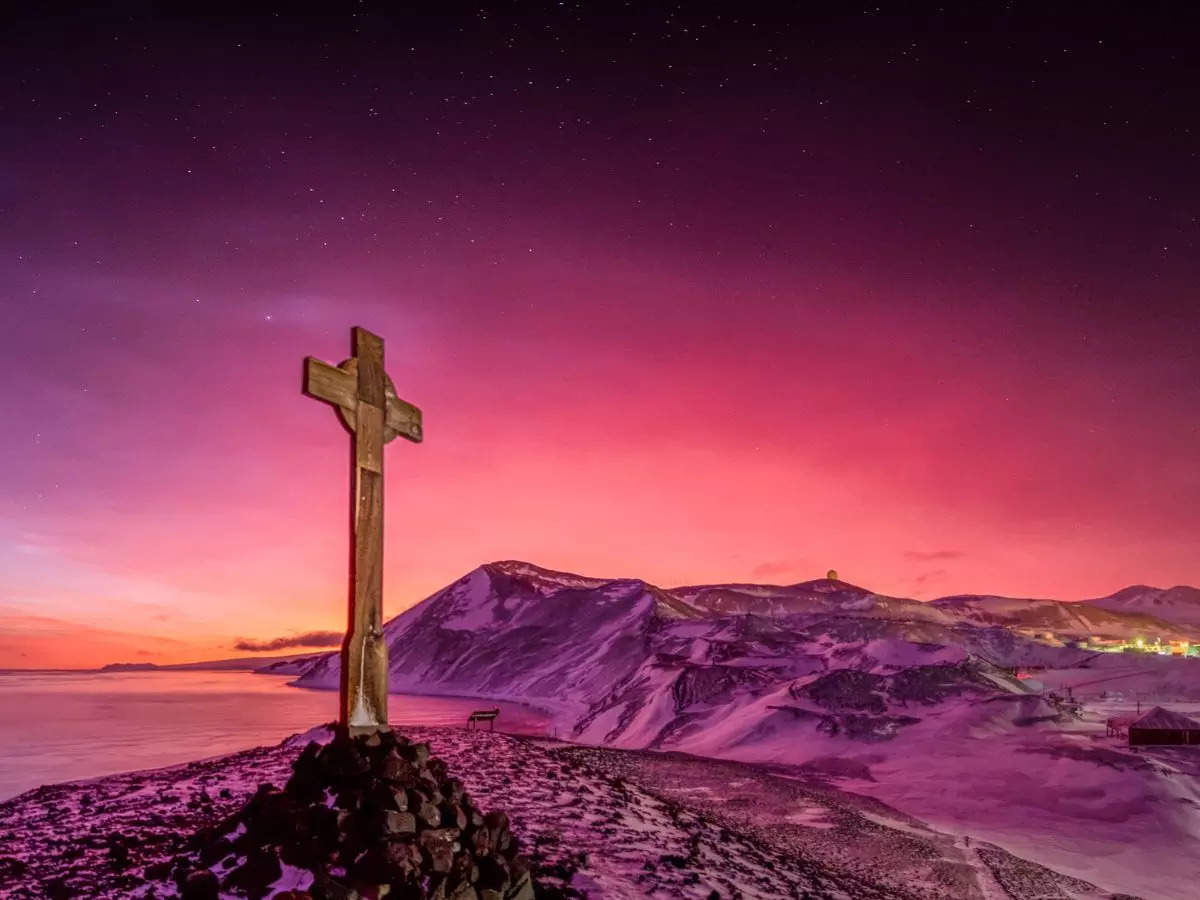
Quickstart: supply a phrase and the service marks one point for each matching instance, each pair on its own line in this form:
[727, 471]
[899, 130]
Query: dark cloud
[308, 639]
[928, 555]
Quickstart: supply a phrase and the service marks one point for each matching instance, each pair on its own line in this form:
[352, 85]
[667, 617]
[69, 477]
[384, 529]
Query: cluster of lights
[1169, 648]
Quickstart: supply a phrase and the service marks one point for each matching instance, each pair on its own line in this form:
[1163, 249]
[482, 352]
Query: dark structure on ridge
[369, 817]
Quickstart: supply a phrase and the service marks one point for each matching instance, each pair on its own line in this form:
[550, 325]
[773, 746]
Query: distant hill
[291, 665]
[1180, 604]
[1063, 619]
[128, 667]
[240, 663]
[824, 595]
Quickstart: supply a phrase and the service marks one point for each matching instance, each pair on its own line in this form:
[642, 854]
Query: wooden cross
[366, 402]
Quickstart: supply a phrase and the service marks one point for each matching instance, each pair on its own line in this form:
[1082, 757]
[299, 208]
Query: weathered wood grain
[368, 437]
[366, 402]
[330, 383]
[365, 703]
[403, 419]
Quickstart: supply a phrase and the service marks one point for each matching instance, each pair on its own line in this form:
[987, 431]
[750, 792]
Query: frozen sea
[64, 726]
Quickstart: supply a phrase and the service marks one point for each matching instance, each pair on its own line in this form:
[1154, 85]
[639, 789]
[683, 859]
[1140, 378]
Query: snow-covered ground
[1060, 793]
[1008, 769]
[595, 822]
[1113, 677]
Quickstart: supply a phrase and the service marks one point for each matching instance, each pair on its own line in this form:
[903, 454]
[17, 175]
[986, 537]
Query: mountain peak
[1133, 590]
[546, 582]
[539, 575]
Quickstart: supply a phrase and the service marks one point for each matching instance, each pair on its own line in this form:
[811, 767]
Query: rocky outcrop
[360, 817]
[850, 689]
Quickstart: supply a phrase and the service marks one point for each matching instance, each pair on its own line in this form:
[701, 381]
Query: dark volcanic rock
[201, 885]
[260, 870]
[343, 759]
[356, 815]
[216, 851]
[848, 689]
[397, 770]
[395, 823]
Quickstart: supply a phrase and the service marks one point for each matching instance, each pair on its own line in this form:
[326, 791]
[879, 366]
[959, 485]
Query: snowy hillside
[621, 659]
[1180, 604]
[511, 630]
[582, 647]
[1063, 619]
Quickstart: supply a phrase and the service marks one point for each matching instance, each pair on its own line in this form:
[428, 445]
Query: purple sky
[685, 297]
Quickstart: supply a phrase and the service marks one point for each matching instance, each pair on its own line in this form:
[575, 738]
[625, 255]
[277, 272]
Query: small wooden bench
[483, 715]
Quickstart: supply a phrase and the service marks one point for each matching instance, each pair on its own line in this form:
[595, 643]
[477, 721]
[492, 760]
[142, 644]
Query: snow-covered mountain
[1067, 620]
[1180, 604]
[622, 661]
[513, 630]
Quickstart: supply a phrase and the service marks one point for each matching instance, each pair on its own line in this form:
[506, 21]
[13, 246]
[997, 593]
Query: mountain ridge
[826, 594]
[584, 646]
[1180, 604]
[1125, 600]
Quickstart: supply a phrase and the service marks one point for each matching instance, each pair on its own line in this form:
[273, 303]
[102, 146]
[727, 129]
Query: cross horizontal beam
[339, 386]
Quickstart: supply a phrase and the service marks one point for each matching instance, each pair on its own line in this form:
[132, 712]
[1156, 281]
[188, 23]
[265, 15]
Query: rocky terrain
[373, 816]
[593, 822]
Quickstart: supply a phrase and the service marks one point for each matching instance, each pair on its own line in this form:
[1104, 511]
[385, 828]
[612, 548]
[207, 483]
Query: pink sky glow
[729, 334]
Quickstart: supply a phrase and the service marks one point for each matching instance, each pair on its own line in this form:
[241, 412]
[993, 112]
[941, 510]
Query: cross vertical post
[368, 406]
[364, 654]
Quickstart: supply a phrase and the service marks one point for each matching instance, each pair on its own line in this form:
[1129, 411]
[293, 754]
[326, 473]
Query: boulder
[395, 823]
[257, 873]
[200, 885]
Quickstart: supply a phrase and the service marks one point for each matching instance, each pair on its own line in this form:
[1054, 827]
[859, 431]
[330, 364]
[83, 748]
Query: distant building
[1169, 647]
[1118, 726]
[1161, 726]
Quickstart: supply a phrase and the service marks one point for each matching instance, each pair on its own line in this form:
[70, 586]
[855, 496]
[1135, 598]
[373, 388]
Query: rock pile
[365, 817]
